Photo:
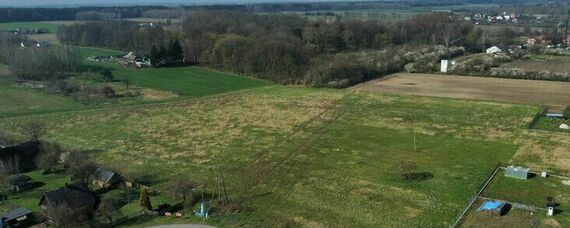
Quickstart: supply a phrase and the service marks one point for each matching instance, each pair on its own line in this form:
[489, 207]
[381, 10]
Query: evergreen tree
[175, 53]
[107, 75]
[154, 56]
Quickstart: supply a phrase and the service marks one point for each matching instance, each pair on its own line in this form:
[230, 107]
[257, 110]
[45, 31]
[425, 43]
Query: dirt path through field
[533, 92]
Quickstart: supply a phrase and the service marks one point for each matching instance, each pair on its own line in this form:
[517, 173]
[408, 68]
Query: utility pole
[414, 139]
[566, 29]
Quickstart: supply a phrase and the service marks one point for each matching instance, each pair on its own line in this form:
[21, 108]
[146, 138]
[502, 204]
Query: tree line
[68, 13]
[35, 63]
[276, 47]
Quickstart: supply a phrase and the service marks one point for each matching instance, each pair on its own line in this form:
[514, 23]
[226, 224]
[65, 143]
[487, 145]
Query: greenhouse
[517, 172]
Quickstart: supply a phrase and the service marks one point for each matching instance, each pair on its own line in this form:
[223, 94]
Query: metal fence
[482, 188]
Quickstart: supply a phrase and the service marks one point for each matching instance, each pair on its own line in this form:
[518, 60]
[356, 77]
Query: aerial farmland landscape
[285, 114]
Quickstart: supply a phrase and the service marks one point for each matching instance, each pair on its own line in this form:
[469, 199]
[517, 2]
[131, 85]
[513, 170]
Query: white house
[493, 50]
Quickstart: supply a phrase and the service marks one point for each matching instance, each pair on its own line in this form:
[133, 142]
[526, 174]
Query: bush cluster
[427, 60]
[346, 69]
[557, 51]
[479, 64]
[79, 92]
[517, 73]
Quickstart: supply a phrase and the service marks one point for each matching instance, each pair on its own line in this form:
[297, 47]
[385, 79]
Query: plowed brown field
[534, 92]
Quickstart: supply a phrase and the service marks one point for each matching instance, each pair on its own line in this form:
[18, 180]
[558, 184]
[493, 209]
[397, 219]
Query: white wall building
[493, 50]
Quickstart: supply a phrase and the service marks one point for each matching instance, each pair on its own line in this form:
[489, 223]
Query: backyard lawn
[30, 199]
[533, 192]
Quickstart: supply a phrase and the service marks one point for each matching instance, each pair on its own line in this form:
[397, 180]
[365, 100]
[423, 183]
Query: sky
[71, 3]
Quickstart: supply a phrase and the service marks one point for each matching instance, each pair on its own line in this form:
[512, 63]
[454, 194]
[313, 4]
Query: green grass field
[188, 81]
[19, 99]
[51, 26]
[153, 84]
[293, 156]
[306, 156]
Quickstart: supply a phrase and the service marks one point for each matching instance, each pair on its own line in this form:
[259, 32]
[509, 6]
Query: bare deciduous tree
[181, 187]
[4, 183]
[34, 130]
[62, 215]
[79, 166]
[49, 157]
[107, 208]
[407, 169]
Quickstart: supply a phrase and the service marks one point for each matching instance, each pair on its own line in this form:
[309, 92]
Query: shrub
[567, 113]
[62, 86]
[517, 73]
[107, 91]
[479, 64]
[107, 75]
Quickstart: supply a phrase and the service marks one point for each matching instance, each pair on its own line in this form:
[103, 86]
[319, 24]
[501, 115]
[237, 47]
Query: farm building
[494, 207]
[135, 59]
[18, 217]
[493, 50]
[104, 178]
[21, 182]
[76, 196]
[555, 115]
[517, 172]
[21, 157]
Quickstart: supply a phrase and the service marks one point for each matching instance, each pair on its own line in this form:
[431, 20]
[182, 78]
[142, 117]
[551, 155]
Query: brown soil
[475, 88]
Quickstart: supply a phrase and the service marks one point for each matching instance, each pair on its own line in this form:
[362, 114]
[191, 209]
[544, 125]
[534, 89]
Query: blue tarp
[491, 206]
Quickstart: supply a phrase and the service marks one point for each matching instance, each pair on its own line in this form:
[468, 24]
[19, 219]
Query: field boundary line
[379, 79]
[472, 201]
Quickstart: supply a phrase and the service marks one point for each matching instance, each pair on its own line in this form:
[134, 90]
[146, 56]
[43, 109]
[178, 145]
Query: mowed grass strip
[51, 26]
[18, 99]
[93, 51]
[189, 81]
